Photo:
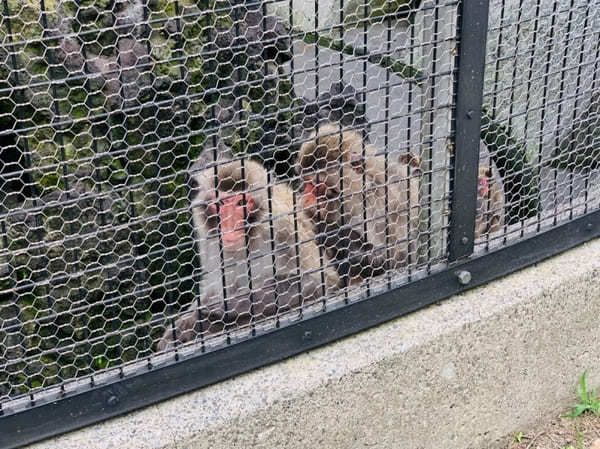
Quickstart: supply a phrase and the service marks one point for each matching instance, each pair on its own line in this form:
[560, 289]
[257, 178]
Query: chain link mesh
[165, 188]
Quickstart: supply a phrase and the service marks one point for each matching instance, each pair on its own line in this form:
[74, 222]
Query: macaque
[255, 265]
[490, 202]
[345, 195]
[352, 254]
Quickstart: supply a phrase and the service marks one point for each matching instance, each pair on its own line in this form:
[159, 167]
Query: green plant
[100, 362]
[588, 400]
[519, 437]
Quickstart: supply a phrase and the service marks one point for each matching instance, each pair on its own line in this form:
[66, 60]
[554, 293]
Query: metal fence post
[469, 94]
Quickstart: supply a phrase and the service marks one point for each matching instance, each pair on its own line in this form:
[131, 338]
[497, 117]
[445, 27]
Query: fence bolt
[464, 240]
[464, 277]
[307, 335]
[589, 226]
[470, 113]
[112, 401]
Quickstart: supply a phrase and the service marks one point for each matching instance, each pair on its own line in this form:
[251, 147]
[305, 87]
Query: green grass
[588, 400]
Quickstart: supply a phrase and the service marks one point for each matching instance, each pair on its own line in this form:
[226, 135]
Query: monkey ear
[410, 159]
[357, 162]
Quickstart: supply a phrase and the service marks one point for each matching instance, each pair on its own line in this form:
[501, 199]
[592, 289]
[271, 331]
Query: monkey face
[484, 185]
[228, 201]
[321, 200]
[233, 213]
[483, 188]
[490, 203]
[313, 194]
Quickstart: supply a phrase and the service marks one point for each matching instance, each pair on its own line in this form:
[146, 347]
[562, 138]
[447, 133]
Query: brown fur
[275, 283]
[490, 208]
[351, 167]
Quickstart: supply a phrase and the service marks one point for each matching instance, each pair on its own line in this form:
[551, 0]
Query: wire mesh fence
[178, 177]
[541, 111]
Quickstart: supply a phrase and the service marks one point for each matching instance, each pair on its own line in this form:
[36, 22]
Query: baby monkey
[259, 256]
[366, 210]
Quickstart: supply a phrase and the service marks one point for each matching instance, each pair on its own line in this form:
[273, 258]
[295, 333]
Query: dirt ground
[582, 432]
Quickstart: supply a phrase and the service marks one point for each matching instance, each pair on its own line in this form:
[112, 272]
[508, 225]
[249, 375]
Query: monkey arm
[354, 256]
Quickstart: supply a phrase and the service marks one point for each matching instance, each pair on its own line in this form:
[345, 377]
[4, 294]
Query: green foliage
[117, 164]
[588, 400]
[356, 10]
[100, 362]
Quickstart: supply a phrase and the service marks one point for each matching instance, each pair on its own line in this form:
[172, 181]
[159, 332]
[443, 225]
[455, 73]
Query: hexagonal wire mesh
[540, 123]
[178, 176]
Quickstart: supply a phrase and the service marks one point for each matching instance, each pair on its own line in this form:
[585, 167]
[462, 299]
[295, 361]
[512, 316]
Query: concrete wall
[464, 374]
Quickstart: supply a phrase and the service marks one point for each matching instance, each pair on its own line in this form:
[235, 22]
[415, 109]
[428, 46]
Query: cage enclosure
[191, 189]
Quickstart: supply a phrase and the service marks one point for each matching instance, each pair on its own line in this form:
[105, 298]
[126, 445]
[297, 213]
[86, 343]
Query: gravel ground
[582, 432]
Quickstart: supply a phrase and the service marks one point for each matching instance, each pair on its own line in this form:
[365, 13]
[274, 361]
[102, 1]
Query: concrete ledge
[463, 374]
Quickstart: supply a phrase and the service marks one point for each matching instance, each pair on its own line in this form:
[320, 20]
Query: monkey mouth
[313, 206]
[309, 200]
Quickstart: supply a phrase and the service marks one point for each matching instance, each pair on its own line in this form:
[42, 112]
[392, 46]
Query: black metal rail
[469, 97]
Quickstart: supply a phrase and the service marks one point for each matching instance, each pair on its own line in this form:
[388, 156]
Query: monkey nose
[309, 200]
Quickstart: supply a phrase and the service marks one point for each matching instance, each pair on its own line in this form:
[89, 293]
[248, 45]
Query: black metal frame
[183, 375]
[469, 99]
[130, 393]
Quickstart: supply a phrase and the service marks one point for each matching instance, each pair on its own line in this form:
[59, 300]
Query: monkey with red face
[490, 202]
[366, 207]
[259, 256]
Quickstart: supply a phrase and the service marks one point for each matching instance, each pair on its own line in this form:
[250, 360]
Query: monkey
[245, 230]
[351, 253]
[490, 202]
[345, 186]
